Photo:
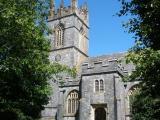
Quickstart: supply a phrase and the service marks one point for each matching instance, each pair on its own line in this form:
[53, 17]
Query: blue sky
[106, 32]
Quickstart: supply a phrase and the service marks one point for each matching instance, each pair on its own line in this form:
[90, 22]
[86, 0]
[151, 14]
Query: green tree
[24, 65]
[144, 23]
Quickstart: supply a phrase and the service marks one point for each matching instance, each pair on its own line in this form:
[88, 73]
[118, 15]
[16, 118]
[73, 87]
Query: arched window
[130, 96]
[72, 102]
[59, 35]
[97, 86]
[101, 85]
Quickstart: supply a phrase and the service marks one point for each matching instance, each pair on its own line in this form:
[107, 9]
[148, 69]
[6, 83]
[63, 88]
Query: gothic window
[59, 35]
[96, 85]
[72, 102]
[101, 86]
[133, 90]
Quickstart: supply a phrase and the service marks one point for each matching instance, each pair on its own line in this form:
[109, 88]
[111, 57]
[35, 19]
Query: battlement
[108, 63]
[102, 66]
[97, 63]
[62, 11]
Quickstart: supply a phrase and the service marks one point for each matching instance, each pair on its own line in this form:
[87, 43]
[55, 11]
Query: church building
[98, 92]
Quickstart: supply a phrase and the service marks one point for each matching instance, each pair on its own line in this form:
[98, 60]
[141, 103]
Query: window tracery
[132, 91]
[72, 102]
[59, 35]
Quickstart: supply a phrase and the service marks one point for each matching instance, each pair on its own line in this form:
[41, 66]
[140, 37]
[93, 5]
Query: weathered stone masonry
[98, 92]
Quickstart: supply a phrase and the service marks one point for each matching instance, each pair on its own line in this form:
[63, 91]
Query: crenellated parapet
[106, 64]
[63, 11]
[102, 66]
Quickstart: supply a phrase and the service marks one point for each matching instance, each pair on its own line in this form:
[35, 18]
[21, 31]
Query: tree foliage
[144, 22]
[24, 65]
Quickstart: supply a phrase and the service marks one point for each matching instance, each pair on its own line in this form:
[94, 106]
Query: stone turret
[62, 11]
[52, 9]
[62, 4]
[74, 5]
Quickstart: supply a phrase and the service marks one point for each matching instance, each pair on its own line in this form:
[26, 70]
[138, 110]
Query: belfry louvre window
[99, 85]
[96, 85]
[72, 102]
[59, 35]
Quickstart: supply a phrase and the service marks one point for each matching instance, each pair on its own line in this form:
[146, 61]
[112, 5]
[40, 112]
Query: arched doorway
[100, 114]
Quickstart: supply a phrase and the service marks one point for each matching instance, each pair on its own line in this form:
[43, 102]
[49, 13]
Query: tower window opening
[101, 85]
[59, 35]
[96, 85]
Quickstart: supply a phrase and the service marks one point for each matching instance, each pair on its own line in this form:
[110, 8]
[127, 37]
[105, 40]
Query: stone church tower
[98, 92]
[70, 33]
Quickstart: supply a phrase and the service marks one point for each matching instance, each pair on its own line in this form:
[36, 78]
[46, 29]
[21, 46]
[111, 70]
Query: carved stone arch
[131, 85]
[61, 25]
[71, 90]
[99, 112]
[132, 89]
[72, 102]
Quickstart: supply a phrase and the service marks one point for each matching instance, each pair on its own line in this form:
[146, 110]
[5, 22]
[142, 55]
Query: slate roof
[107, 63]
